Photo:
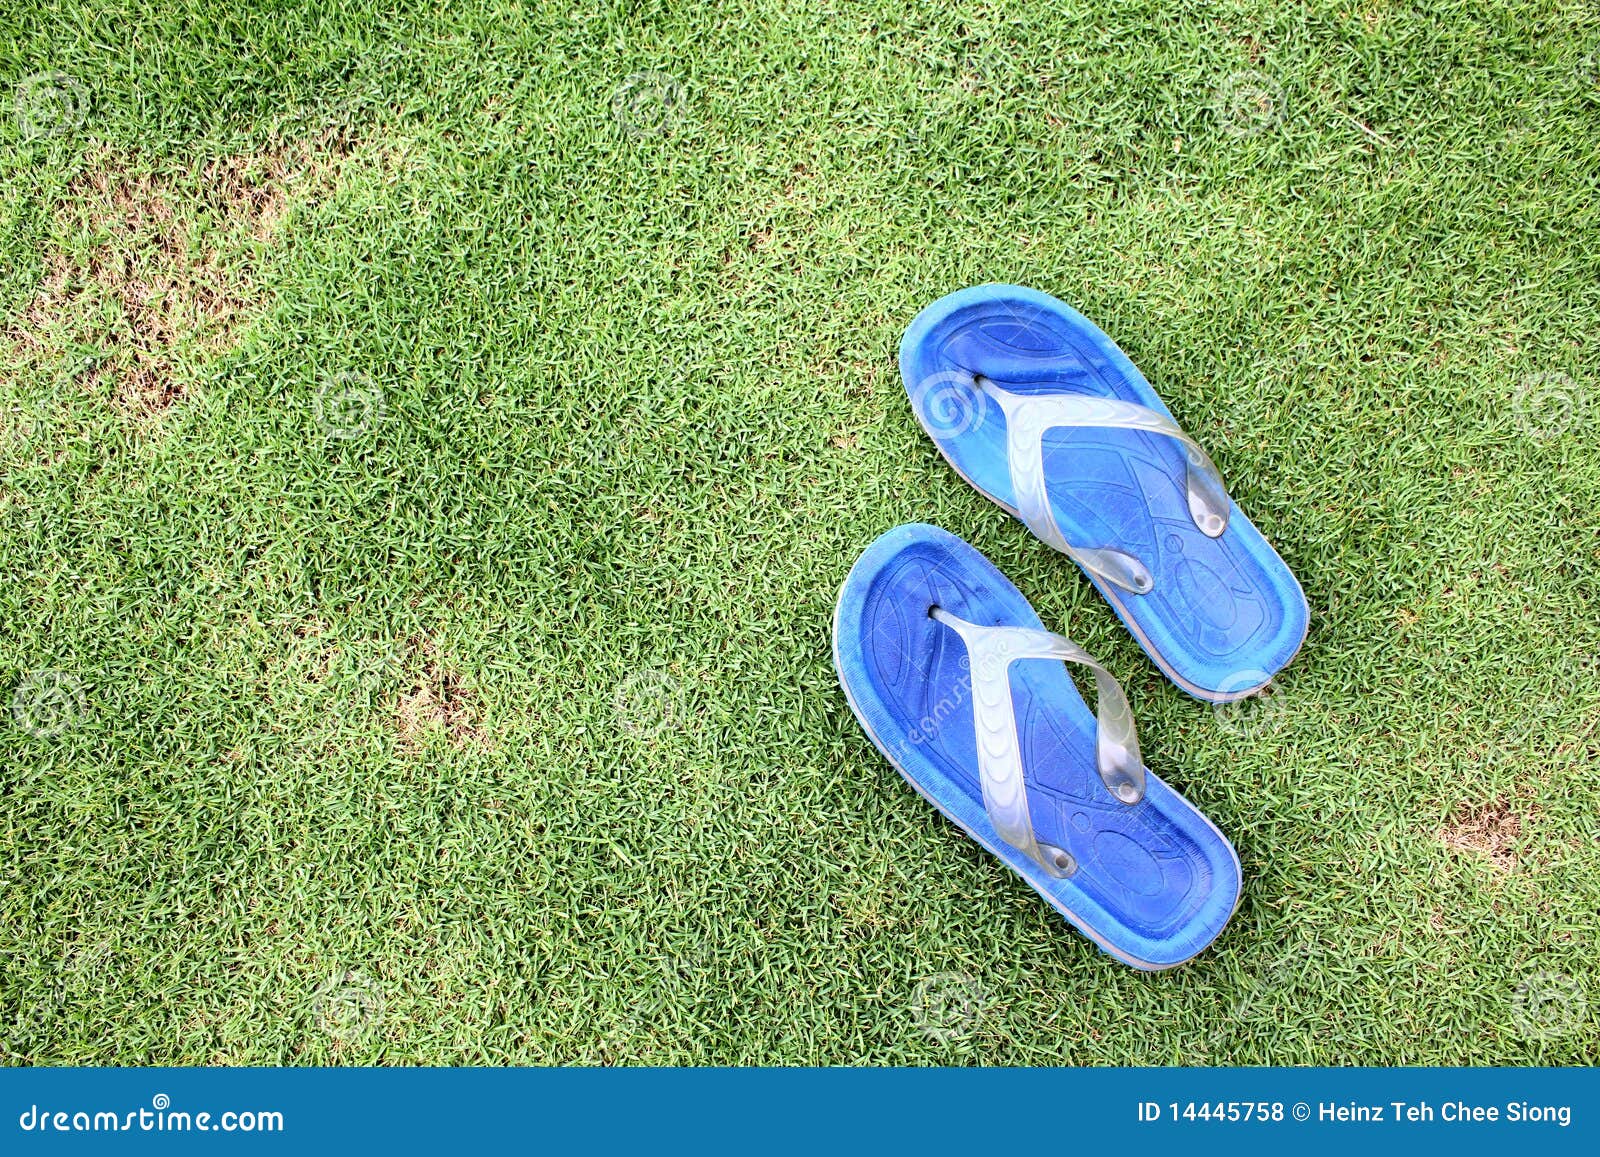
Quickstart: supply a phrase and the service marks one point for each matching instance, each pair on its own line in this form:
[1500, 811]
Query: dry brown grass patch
[159, 268]
[1492, 830]
[438, 703]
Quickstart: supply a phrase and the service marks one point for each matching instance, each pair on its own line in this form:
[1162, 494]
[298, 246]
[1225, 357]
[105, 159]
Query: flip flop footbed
[1225, 613]
[1155, 881]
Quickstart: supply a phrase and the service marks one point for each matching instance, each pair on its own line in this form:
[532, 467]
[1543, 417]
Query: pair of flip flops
[960, 686]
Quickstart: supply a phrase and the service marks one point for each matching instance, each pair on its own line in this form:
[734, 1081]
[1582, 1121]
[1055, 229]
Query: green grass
[350, 783]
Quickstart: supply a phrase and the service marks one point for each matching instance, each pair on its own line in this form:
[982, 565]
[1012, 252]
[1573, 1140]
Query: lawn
[432, 443]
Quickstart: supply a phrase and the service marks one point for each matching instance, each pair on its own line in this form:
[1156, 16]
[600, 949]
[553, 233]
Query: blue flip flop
[1043, 414]
[933, 646]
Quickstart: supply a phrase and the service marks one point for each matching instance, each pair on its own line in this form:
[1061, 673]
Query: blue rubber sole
[1225, 614]
[1156, 882]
